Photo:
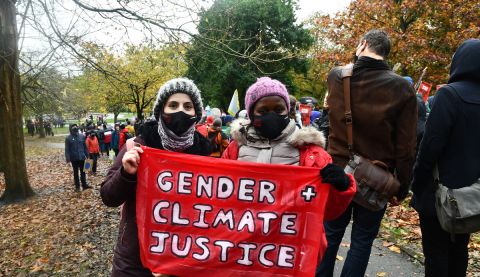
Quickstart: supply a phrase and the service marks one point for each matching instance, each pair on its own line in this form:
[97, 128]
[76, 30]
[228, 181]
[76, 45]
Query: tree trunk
[115, 116]
[139, 113]
[16, 178]
[41, 128]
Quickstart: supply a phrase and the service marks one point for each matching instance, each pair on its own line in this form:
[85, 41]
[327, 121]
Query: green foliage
[241, 40]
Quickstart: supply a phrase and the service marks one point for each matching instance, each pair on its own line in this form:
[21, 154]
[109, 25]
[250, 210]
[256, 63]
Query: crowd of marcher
[34, 126]
[388, 124]
[88, 142]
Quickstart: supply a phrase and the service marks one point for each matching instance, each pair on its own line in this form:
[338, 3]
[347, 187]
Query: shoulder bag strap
[346, 74]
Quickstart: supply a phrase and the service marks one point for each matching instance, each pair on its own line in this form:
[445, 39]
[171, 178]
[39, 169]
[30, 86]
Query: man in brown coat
[384, 111]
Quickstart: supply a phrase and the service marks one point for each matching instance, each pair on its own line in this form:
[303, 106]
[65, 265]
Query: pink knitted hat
[264, 87]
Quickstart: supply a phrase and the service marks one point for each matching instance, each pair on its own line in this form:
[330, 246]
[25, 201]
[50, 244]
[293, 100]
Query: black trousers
[443, 257]
[78, 167]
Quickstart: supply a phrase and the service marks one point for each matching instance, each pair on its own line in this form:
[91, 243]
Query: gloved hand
[335, 176]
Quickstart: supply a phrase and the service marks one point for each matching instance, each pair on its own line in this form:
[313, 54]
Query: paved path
[383, 262]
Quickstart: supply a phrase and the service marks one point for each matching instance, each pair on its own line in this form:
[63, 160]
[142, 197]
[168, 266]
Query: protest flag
[234, 106]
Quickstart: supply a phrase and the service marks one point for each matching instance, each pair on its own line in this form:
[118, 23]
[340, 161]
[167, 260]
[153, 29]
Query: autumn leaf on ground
[395, 249]
[387, 244]
[340, 258]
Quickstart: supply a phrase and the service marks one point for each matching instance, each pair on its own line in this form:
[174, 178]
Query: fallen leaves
[395, 249]
[402, 226]
[58, 232]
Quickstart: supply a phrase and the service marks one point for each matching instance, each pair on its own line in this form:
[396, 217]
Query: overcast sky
[309, 7]
[107, 34]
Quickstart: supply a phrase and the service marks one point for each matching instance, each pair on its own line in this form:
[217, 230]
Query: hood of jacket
[465, 71]
[301, 137]
[466, 62]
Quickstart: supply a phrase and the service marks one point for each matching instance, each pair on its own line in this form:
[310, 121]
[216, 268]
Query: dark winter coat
[323, 125]
[422, 118]
[384, 109]
[452, 132]
[119, 188]
[75, 148]
[115, 143]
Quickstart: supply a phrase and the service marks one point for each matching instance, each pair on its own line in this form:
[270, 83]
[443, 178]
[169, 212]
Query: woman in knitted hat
[270, 136]
[177, 109]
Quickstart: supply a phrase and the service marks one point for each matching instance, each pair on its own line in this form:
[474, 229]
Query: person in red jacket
[271, 137]
[124, 135]
[93, 148]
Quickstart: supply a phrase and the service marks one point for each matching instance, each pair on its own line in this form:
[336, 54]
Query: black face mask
[178, 122]
[270, 125]
[74, 130]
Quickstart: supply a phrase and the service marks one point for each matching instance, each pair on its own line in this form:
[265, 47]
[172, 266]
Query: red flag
[305, 112]
[425, 89]
[200, 216]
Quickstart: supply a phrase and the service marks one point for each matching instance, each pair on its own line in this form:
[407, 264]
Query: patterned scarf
[171, 141]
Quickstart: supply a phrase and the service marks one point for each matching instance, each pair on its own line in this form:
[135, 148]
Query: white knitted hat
[178, 85]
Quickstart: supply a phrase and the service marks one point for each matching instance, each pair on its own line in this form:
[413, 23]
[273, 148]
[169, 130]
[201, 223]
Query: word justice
[202, 248]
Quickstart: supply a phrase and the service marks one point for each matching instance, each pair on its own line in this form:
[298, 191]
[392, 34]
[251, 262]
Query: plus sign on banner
[200, 216]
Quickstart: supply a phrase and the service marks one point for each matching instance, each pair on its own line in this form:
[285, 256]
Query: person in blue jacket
[115, 143]
[75, 153]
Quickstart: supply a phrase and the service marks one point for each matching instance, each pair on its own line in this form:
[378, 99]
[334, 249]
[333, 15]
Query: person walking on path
[450, 143]
[177, 109]
[93, 150]
[101, 138]
[384, 111]
[115, 143]
[123, 136]
[107, 139]
[271, 137]
[75, 153]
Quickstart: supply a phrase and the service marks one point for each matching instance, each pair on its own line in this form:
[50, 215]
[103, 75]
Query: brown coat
[384, 109]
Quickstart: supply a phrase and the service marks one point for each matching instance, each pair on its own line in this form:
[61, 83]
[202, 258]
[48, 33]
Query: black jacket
[75, 148]
[452, 132]
[422, 118]
[119, 188]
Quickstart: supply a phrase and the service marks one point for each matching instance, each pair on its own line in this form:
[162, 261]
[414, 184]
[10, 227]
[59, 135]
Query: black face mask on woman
[270, 125]
[178, 122]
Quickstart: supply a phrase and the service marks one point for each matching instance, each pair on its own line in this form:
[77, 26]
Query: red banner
[201, 216]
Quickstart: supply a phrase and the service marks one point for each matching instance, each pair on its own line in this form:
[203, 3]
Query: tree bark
[41, 128]
[115, 116]
[139, 113]
[15, 168]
